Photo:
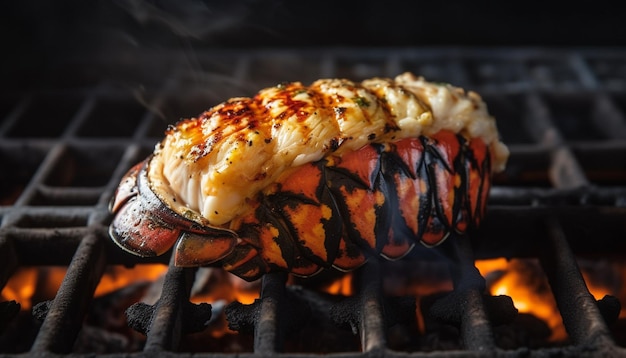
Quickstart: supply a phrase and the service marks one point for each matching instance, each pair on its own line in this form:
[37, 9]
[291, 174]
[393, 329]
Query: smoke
[190, 19]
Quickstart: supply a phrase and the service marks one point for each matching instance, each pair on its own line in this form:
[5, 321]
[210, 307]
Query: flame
[596, 290]
[219, 288]
[604, 278]
[221, 285]
[21, 293]
[400, 279]
[29, 285]
[342, 286]
[529, 290]
[117, 277]
[520, 279]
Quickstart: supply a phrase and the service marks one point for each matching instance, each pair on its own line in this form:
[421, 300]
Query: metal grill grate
[65, 146]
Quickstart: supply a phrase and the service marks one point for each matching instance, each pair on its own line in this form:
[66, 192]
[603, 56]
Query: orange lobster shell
[379, 200]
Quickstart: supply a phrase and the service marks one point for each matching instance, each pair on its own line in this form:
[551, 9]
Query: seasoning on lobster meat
[301, 178]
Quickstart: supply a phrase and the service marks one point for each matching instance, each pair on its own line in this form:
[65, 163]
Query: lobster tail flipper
[137, 226]
[145, 226]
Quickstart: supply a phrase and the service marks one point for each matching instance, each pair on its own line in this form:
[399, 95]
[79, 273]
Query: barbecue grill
[562, 201]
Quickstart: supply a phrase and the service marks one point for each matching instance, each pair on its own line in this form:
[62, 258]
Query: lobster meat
[302, 178]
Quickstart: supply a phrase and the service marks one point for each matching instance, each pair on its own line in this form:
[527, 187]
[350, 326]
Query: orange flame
[530, 292]
[217, 286]
[221, 285]
[22, 292]
[30, 285]
[520, 279]
[342, 286]
[117, 277]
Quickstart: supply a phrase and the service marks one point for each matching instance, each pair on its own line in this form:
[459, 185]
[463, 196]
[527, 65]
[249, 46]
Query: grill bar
[566, 129]
[565, 171]
[167, 321]
[372, 320]
[43, 171]
[475, 327]
[62, 321]
[269, 326]
[578, 308]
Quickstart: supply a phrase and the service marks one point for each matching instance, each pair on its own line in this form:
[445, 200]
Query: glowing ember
[342, 286]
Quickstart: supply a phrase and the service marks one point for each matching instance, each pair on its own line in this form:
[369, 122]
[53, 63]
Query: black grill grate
[65, 145]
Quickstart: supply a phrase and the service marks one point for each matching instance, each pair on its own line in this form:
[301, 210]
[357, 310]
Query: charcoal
[8, 311]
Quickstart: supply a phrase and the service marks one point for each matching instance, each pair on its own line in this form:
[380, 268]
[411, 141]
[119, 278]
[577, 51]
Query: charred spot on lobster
[335, 143]
[305, 178]
[340, 111]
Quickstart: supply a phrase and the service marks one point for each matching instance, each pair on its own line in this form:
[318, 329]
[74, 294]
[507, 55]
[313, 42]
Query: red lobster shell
[337, 211]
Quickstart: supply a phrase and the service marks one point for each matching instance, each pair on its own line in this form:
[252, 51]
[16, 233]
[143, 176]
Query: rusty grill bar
[64, 147]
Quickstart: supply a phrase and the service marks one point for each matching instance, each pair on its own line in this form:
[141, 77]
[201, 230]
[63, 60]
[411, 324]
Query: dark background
[48, 28]
[35, 34]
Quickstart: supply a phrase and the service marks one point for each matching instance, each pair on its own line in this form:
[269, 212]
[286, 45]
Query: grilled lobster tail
[305, 178]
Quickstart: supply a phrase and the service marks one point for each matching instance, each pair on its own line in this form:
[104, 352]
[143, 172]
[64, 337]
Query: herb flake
[361, 101]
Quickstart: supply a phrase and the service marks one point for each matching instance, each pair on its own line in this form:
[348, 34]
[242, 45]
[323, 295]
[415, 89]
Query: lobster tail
[302, 178]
